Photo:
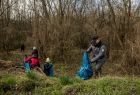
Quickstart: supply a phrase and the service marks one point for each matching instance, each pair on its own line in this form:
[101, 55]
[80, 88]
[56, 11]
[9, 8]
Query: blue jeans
[27, 66]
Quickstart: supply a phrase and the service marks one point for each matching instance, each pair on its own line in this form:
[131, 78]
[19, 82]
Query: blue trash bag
[49, 69]
[86, 70]
[27, 66]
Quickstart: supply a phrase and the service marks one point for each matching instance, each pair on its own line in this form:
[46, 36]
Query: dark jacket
[48, 69]
[99, 53]
[35, 53]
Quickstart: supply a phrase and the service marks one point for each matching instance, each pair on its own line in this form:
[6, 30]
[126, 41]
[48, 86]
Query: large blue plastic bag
[86, 70]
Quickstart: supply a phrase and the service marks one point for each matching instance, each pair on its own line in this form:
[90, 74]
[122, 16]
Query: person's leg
[21, 49]
[100, 72]
[32, 66]
[96, 73]
[98, 69]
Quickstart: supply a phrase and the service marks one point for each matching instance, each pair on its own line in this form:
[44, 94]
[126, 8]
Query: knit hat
[34, 48]
[48, 60]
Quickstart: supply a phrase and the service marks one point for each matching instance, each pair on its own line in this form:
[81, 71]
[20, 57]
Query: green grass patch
[70, 85]
[105, 86]
[65, 80]
[31, 75]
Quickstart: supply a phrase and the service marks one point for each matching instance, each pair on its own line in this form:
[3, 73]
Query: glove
[92, 60]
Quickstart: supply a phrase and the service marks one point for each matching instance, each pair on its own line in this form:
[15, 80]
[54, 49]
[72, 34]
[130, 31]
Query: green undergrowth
[33, 83]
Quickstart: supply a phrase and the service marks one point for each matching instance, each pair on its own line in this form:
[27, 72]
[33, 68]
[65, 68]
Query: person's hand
[92, 60]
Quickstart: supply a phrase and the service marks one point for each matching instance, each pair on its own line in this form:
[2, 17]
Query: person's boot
[100, 73]
[96, 74]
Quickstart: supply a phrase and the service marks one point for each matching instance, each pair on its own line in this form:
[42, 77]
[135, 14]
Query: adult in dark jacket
[22, 48]
[99, 51]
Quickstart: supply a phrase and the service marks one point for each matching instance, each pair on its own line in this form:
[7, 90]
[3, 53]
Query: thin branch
[8, 8]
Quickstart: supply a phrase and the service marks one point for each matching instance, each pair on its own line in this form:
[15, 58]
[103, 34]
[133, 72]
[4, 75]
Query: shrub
[7, 83]
[1, 90]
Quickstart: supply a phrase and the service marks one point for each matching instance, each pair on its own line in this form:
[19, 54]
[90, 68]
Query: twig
[8, 8]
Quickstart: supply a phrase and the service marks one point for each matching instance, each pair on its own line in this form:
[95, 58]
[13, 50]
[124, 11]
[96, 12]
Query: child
[48, 68]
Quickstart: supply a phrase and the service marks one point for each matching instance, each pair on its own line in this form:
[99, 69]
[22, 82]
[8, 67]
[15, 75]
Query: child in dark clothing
[48, 68]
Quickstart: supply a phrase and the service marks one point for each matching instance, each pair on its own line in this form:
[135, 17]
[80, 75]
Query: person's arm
[89, 49]
[101, 53]
[29, 58]
[38, 60]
